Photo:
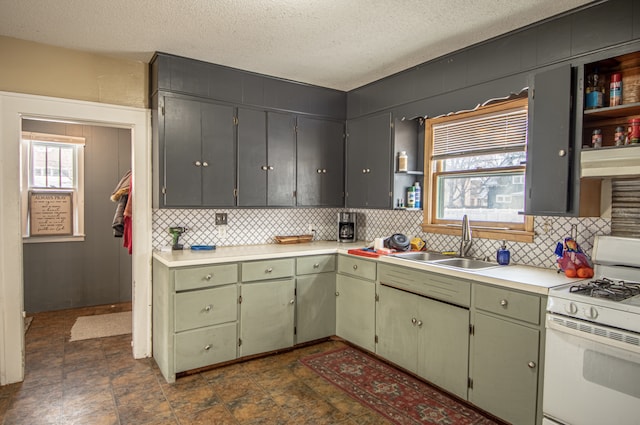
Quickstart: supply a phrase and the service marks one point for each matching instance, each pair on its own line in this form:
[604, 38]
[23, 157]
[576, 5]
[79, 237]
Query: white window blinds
[502, 131]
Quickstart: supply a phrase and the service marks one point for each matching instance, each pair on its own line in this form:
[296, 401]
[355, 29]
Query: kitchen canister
[634, 130]
[403, 160]
[615, 89]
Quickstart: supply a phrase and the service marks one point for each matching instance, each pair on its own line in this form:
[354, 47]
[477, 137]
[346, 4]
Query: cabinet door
[182, 150]
[549, 153]
[218, 155]
[267, 314]
[355, 311]
[320, 162]
[281, 159]
[443, 345]
[315, 306]
[504, 359]
[397, 327]
[369, 162]
[252, 158]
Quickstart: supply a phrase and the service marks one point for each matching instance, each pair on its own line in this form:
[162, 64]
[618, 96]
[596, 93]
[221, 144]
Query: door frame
[13, 107]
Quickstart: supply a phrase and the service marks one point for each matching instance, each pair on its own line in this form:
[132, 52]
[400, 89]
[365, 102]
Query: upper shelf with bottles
[611, 102]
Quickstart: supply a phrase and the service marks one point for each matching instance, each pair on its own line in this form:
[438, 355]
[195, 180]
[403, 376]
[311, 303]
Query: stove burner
[615, 290]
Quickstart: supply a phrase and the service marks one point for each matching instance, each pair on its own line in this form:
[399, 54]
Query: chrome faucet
[465, 241]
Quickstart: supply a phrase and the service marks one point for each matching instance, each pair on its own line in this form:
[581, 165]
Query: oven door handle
[627, 346]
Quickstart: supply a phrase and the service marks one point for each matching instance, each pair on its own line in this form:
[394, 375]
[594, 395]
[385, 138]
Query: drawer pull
[419, 323]
[269, 270]
[291, 301]
[207, 347]
[337, 294]
[531, 364]
[209, 276]
[414, 321]
[208, 308]
[316, 265]
[504, 303]
[355, 267]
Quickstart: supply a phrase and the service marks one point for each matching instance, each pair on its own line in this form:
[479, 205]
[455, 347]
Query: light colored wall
[34, 68]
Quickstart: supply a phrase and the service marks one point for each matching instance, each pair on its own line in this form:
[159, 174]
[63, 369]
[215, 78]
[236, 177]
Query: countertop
[531, 279]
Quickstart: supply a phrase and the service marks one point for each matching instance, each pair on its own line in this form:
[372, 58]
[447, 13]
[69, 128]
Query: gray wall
[97, 271]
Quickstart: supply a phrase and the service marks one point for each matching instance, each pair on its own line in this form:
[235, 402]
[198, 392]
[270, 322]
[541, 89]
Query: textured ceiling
[342, 44]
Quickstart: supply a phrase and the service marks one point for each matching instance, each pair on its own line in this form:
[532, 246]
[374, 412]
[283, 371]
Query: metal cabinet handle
[316, 265]
[504, 303]
[208, 277]
[318, 171]
[291, 301]
[269, 270]
[263, 168]
[364, 171]
[207, 347]
[197, 163]
[419, 323]
[337, 294]
[270, 167]
[531, 365]
[324, 171]
[413, 321]
[205, 164]
[355, 267]
[208, 308]
[562, 152]
[368, 170]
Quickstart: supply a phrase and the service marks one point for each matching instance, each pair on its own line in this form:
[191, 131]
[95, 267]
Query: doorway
[13, 107]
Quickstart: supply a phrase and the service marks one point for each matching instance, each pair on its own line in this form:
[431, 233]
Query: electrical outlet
[222, 232]
[221, 219]
[310, 228]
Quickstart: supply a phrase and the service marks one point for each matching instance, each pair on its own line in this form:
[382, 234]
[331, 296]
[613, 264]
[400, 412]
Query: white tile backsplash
[260, 226]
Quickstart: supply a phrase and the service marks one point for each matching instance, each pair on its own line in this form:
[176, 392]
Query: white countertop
[532, 279]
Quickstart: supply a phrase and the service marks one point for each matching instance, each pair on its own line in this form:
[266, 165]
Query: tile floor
[98, 382]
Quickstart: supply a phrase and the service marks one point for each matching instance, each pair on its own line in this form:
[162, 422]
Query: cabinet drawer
[268, 269]
[196, 309]
[508, 303]
[202, 277]
[206, 346]
[365, 269]
[315, 264]
[432, 285]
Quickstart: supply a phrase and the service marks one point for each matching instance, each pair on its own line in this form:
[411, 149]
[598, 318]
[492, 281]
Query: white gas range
[592, 356]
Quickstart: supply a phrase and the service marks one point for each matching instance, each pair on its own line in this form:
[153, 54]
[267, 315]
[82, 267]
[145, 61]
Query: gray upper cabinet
[320, 164]
[549, 154]
[369, 161]
[197, 140]
[266, 158]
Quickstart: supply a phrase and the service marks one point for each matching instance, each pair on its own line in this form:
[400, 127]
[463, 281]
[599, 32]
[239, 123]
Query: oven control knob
[571, 308]
[591, 313]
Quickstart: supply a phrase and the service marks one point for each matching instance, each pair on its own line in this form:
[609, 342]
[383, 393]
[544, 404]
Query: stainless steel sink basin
[466, 263]
[422, 256]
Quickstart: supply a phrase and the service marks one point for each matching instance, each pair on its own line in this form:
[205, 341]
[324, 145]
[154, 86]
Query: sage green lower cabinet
[506, 354]
[421, 333]
[427, 337]
[315, 297]
[267, 309]
[355, 301]
[195, 316]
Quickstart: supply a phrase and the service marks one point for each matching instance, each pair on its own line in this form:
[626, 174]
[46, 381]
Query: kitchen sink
[465, 263]
[422, 256]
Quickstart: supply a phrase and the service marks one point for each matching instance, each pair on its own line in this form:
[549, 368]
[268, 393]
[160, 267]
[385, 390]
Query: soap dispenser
[503, 255]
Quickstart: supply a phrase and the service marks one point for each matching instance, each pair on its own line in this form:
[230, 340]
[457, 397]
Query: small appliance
[175, 233]
[346, 227]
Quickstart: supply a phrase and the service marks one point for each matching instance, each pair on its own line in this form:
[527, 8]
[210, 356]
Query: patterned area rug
[401, 398]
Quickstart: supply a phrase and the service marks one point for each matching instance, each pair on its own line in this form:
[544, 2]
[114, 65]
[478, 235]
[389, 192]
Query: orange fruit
[570, 272]
[585, 272]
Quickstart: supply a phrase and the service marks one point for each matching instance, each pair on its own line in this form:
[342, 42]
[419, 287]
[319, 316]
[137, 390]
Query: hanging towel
[120, 195]
[128, 223]
[122, 188]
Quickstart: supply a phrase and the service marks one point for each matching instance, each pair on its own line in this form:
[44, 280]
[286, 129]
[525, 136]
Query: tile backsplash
[260, 226]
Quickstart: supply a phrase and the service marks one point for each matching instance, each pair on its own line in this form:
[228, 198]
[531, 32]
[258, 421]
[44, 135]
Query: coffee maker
[346, 227]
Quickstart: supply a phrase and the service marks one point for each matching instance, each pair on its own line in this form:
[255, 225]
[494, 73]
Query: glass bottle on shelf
[595, 90]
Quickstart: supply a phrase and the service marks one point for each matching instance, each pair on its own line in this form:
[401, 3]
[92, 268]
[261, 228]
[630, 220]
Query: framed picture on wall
[50, 213]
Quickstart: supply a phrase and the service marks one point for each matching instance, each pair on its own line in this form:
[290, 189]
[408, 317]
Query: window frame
[27, 140]
[518, 232]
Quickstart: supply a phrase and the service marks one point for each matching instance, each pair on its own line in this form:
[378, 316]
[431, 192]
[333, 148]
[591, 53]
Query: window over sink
[475, 166]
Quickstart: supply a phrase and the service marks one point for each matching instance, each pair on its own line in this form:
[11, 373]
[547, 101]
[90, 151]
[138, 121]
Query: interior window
[52, 187]
[475, 164]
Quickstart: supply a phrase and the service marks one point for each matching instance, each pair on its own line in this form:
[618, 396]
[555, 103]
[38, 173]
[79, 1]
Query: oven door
[591, 375]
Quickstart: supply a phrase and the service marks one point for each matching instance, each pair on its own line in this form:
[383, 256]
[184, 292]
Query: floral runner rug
[401, 398]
